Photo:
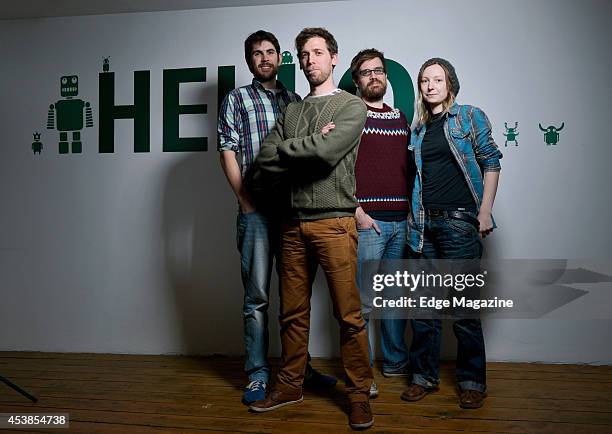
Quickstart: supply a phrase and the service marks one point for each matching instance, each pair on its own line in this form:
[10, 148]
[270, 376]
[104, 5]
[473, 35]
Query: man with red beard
[383, 171]
[246, 116]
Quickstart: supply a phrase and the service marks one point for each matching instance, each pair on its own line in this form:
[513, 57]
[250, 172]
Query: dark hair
[254, 38]
[362, 56]
[313, 32]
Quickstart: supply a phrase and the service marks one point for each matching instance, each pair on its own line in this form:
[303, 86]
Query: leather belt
[454, 214]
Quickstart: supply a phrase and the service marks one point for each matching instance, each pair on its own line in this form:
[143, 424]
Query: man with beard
[246, 117]
[383, 173]
[312, 151]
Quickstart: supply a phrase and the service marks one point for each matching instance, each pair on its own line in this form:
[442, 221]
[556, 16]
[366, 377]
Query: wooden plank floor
[106, 393]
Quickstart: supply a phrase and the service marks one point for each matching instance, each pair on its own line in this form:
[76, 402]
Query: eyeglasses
[367, 72]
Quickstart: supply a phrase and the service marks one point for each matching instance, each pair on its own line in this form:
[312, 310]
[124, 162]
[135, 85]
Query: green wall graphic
[227, 82]
[173, 109]
[66, 115]
[511, 133]
[286, 71]
[551, 133]
[71, 114]
[140, 112]
[37, 146]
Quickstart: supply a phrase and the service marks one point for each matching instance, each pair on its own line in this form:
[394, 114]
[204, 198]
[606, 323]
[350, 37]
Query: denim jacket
[468, 132]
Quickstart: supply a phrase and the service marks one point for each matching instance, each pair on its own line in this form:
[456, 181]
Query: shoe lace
[471, 395]
[415, 389]
[363, 406]
[257, 385]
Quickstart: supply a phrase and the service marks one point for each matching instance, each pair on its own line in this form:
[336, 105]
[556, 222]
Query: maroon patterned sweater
[382, 167]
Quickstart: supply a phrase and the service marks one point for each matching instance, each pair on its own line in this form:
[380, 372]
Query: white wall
[136, 253]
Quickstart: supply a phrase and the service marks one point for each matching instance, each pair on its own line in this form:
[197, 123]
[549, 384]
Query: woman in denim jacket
[457, 174]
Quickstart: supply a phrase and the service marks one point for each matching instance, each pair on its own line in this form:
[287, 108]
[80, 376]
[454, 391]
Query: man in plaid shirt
[246, 116]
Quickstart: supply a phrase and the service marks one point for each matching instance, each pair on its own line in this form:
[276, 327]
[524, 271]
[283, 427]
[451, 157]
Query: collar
[333, 92]
[279, 85]
[385, 108]
[454, 109]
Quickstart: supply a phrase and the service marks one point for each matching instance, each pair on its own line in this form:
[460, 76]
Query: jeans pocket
[461, 226]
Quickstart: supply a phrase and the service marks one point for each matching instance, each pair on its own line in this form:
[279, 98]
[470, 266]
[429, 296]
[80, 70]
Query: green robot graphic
[511, 134]
[286, 70]
[551, 133]
[286, 58]
[69, 113]
[37, 146]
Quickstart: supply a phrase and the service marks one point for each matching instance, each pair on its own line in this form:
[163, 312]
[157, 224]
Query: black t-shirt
[444, 186]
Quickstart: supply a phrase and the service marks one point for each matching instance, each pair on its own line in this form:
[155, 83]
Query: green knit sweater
[317, 171]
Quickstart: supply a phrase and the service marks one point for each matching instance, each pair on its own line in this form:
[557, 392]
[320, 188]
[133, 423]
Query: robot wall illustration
[66, 115]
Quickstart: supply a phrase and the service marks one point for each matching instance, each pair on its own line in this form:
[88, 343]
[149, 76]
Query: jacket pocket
[459, 134]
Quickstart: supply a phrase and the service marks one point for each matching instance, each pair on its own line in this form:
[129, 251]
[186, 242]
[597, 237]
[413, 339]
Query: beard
[265, 76]
[319, 78]
[374, 93]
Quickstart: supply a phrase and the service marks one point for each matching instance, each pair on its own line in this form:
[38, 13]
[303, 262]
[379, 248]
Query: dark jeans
[448, 238]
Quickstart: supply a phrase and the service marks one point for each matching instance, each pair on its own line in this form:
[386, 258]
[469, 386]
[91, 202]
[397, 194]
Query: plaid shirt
[247, 115]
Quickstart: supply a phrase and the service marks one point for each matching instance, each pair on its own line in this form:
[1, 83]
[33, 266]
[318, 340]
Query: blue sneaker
[317, 380]
[255, 391]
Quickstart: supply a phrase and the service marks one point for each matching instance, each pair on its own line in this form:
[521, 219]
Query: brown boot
[471, 398]
[360, 416]
[276, 399]
[416, 392]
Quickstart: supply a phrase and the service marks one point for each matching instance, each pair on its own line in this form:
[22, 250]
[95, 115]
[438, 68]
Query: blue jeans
[257, 247]
[390, 244]
[449, 238]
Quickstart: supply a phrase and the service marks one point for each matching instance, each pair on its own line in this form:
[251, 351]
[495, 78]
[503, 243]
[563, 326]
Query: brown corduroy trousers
[332, 244]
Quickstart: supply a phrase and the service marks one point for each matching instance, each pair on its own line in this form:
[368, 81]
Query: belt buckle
[435, 212]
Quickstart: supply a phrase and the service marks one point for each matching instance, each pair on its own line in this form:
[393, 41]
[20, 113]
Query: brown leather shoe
[416, 392]
[360, 416]
[471, 398]
[276, 399]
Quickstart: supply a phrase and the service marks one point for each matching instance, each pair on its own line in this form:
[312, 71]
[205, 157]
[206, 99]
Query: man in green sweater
[308, 162]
